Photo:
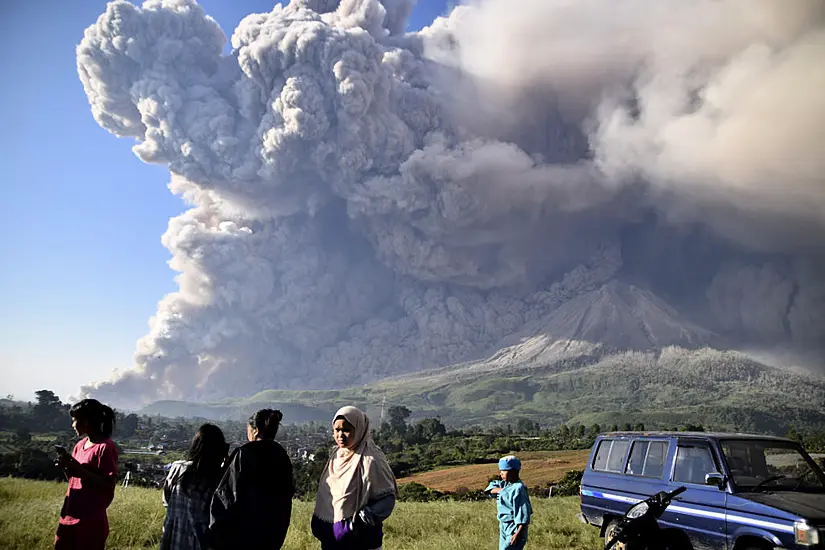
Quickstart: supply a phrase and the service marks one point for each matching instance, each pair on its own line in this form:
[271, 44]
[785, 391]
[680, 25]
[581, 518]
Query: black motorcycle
[638, 529]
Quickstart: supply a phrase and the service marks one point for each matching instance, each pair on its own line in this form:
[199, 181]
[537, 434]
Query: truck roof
[704, 435]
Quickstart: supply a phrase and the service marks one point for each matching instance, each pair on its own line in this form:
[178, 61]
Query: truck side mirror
[715, 478]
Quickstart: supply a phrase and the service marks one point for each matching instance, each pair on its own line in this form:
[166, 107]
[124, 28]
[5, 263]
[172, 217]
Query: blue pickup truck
[744, 492]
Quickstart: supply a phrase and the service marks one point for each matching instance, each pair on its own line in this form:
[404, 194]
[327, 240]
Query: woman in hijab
[252, 505]
[357, 489]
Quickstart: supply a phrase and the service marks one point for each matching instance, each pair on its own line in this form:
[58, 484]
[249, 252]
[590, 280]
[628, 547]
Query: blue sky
[81, 263]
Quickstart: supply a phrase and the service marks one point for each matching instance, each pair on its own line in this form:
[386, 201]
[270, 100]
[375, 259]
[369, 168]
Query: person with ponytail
[188, 490]
[252, 505]
[91, 469]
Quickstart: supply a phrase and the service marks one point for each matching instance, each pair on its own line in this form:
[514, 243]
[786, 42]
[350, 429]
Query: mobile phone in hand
[61, 450]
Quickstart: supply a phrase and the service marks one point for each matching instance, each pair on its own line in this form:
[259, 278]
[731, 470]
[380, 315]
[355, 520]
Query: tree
[49, 412]
[398, 416]
[525, 426]
[429, 428]
[23, 435]
[306, 473]
[128, 425]
[794, 434]
[569, 484]
[46, 399]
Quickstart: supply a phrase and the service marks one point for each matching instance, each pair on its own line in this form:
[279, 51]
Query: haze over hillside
[612, 354]
[671, 387]
[576, 178]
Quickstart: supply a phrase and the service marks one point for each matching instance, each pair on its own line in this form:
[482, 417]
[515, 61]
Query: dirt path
[538, 468]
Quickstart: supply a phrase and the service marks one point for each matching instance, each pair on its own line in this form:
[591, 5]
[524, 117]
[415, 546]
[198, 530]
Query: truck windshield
[757, 465]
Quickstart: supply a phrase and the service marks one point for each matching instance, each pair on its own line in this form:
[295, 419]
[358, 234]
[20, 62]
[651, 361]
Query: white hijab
[355, 475]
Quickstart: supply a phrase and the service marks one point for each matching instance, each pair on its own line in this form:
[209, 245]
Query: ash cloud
[366, 201]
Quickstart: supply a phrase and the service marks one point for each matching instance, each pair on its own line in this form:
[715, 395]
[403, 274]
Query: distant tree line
[28, 432]
[812, 440]
[423, 445]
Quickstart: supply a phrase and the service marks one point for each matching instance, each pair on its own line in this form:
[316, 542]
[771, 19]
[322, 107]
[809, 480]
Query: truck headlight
[805, 534]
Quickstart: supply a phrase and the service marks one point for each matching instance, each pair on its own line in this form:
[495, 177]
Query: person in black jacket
[252, 505]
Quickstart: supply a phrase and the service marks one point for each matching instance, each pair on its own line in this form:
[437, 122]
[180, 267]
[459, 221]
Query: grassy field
[29, 512]
[538, 469]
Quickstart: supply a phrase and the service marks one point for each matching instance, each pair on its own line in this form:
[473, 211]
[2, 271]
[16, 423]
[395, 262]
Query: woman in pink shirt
[92, 473]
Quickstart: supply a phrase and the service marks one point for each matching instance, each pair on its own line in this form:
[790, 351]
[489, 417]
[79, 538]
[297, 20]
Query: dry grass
[29, 510]
[537, 469]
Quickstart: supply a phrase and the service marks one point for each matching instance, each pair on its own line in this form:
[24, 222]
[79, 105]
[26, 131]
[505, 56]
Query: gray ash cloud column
[359, 210]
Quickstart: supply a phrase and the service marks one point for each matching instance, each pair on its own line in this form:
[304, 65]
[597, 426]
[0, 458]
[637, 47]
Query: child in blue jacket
[514, 509]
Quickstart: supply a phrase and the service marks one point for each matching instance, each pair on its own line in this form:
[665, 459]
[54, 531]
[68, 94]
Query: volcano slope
[615, 354]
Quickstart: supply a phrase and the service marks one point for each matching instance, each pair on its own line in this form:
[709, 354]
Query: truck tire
[608, 534]
[754, 545]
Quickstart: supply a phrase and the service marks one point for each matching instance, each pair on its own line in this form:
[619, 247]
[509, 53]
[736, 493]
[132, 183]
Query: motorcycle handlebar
[676, 492]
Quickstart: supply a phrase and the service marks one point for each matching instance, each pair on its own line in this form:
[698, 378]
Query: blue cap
[509, 462]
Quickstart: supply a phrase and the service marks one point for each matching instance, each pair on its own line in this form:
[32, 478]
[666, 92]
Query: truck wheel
[608, 536]
[754, 545]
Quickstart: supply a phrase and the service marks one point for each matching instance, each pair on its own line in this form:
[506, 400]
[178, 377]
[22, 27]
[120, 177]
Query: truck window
[610, 455]
[615, 461]
[692, 463]
[655, 463]
[602, 452]
[638, 453]
[752, 461]
[647, 458]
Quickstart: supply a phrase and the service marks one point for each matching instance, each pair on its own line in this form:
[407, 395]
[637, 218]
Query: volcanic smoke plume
[366, 201]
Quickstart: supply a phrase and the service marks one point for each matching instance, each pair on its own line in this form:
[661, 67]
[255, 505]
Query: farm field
[29, 512]
[538, 469]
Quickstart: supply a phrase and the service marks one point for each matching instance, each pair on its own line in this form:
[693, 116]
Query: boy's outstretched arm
[494, 487]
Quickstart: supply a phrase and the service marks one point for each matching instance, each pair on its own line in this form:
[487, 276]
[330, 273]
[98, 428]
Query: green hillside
[722, 390]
